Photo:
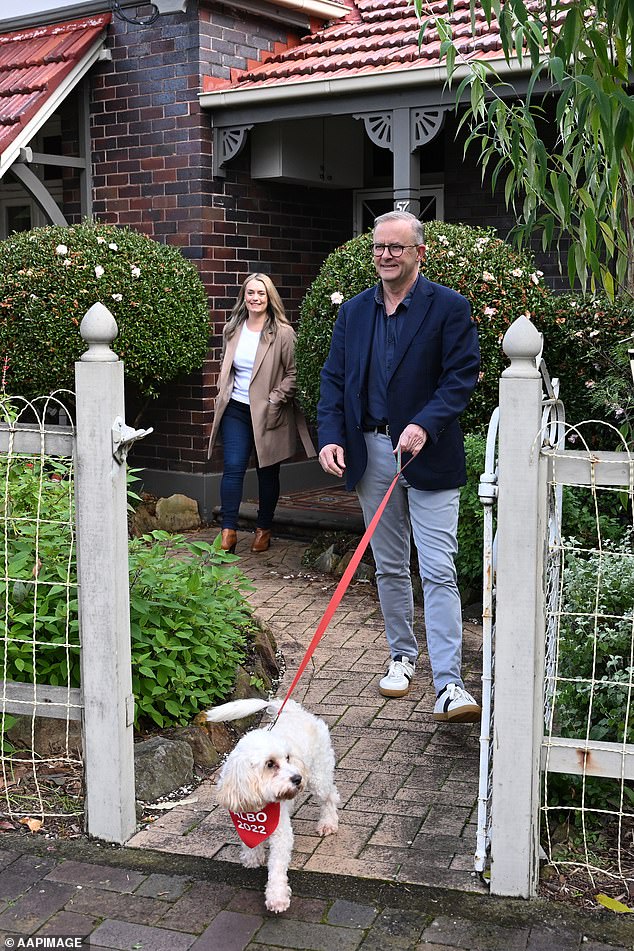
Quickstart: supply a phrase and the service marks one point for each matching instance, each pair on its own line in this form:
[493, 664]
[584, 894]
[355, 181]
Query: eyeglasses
[395, 249]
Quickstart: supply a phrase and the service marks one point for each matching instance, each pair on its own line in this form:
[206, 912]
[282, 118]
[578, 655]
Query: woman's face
[256, 298]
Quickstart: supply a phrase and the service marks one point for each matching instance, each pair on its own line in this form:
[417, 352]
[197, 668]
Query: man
[403, 362]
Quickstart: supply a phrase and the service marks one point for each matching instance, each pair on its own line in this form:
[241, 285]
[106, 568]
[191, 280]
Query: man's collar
[378, 295]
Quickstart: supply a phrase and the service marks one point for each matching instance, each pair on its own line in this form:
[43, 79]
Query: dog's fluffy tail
[238, 709]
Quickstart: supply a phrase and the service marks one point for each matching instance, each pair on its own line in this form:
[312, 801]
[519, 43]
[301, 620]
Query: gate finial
[99, 329]
[523, 345]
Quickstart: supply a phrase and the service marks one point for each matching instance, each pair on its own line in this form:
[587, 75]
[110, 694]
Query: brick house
[253, 135]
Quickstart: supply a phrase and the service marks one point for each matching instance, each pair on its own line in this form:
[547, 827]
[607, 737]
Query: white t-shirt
[243, 361]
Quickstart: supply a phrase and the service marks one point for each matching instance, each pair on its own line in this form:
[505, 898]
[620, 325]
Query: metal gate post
[104, 611]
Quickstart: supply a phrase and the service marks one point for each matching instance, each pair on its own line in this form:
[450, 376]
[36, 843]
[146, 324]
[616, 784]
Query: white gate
[532, 608]
[89, 456]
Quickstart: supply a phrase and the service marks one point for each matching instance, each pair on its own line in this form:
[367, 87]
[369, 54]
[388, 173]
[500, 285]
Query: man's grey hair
[418, 231]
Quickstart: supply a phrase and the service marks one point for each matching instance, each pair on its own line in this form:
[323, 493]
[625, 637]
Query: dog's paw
[278, 900]
[328, 827]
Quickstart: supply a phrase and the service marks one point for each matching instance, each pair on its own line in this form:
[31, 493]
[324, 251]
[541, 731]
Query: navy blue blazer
[434, 372]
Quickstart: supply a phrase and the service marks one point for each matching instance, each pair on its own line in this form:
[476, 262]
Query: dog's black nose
[296, 780]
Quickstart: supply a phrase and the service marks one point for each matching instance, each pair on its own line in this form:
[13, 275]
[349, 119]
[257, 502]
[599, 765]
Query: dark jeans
[236, 430]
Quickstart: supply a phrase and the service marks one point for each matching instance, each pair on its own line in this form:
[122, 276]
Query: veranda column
[104, 612]
[406, 163]
[518, 715]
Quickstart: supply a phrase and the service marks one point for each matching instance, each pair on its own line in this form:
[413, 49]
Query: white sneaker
[397, 680]
[456, 705]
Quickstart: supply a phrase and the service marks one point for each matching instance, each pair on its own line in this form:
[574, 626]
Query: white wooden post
[104, 612]
[519, 634]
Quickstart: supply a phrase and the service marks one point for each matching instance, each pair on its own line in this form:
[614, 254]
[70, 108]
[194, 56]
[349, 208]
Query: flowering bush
[499, 282]
[49, 277]
[586, 347]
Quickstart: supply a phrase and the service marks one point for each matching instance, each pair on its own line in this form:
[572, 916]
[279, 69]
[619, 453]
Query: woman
[254, 406]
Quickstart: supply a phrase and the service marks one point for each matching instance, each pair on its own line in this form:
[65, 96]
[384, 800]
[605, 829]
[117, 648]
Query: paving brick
[122, 936]
[284, 932]
[230, 931]
[70, 924]
[543, 938]
[108, 904]
[165, 887]
[198, 906]
[36, 906]
[99, 876]
[351, 914]
[476, 934]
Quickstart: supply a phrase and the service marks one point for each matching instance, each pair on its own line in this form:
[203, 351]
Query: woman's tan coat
[273, 411]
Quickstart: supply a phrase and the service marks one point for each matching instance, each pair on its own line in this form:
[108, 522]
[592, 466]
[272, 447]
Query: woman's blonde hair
[274, 309]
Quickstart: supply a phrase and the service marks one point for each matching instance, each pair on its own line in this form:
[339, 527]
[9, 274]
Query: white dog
[273, 765]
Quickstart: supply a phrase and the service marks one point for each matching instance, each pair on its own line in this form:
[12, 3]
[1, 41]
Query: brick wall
[152, 172]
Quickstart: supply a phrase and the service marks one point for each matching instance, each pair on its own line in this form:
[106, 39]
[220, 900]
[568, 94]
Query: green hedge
[50, 277]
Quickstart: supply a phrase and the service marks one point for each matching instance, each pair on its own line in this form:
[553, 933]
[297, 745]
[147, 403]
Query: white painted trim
[382, 81]
[322, 9]
[12, 152]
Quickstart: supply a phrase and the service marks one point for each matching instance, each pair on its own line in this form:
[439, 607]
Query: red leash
[343, 584]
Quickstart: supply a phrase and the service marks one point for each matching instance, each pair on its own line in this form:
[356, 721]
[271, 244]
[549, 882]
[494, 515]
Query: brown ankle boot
[229, 539]
[262, 539]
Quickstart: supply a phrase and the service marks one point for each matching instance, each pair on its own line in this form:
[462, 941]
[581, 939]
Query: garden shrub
[190, 624]
[50, 277]
[471, 523]
[585, 347]
[499, 282]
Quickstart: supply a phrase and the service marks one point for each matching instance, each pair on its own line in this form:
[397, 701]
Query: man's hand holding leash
[411, 440]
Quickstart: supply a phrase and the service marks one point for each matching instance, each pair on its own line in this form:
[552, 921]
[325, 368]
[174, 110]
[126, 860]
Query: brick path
[408, 784]
[409, 788]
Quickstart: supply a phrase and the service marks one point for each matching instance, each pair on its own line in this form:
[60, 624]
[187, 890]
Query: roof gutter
[380, 81]
[304, 10]
[12, 151]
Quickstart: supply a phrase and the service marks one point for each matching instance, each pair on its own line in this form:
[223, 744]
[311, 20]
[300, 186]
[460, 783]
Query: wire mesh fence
[588, 761]
[40, 755]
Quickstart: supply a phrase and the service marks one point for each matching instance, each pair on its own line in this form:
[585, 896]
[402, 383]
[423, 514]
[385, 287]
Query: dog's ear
[239, 785]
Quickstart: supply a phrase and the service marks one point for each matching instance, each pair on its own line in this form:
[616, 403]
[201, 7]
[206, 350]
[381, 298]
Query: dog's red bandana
[255, 827]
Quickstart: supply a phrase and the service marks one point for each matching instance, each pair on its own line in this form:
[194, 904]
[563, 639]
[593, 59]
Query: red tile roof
[33, 63]
[375, 36]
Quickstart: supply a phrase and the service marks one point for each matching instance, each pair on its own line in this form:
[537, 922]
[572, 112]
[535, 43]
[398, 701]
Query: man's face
[401, 270]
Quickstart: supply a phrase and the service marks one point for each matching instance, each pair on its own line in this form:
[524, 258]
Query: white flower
[67, 262]
[33, 296]
[487, 276]
[336, 298]
[451, 254]
[535, 276]
[101, 240]
[117, 297]
[113, 246]
[517, 272]
[593, 333]
[135, 271]
[489, 311]
[61, 249]
[442, 239]
[99, 271]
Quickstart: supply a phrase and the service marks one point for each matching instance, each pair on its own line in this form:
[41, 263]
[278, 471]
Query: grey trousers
[433, 519]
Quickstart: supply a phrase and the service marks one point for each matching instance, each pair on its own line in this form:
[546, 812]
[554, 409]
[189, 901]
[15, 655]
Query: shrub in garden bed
[50, 277]
[190, 624]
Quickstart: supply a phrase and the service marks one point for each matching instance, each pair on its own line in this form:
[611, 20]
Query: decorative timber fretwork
[378, 127]
[426, 124]
[228, 143]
